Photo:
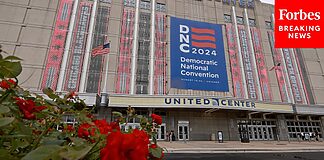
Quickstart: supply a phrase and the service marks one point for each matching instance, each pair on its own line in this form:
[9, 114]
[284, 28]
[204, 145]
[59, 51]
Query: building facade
[261, 92]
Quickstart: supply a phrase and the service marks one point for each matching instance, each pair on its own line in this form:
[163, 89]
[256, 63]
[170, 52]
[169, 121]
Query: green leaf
[44, 153]
[50, 93]
[4, 109]
[53, 142]
[72, 153]
[12, 58]
[19, 143]
[51, 102]
[6, 120]
[10, 69]
[4, 154]
[23, 128]
[156, 152]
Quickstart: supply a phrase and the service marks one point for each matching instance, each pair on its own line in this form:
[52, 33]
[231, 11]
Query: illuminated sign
[197, 56]
[209, 101]
[194, 102]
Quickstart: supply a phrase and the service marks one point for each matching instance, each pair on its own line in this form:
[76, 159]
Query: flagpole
[87, 49]
[104, 88]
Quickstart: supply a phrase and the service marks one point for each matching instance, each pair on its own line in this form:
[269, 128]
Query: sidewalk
[238, 147]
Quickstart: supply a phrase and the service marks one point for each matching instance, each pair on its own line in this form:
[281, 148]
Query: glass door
[183, 131]
[161, 134]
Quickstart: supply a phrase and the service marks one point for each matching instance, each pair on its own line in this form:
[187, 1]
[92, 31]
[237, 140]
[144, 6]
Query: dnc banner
[197, 56]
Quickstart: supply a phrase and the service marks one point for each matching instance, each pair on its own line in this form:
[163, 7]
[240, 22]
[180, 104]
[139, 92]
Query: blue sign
[197, 56]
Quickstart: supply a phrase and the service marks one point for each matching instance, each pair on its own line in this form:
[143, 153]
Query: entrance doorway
[243, 131]
[258, 129]
[183, 130]
[161, 133]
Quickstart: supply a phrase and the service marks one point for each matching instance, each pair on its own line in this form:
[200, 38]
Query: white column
[133, 71]
[239, 53]
[294, 61]
[252, 53]
[88, 47]
[152, 51]
[59, 86]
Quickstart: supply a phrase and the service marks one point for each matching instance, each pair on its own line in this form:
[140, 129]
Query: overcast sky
[268, 1]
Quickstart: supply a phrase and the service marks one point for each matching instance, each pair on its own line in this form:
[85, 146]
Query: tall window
[142, 73]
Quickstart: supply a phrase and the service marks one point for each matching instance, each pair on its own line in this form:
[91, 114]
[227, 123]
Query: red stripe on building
[238, 88]
[261, 66]
[55, 53]
[124, 63]
[277, 58]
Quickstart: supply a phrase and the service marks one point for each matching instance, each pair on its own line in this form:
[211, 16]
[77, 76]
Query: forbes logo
[196, 37]
[300, 15]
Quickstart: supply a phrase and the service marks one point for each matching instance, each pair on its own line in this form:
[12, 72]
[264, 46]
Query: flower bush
[31, 126]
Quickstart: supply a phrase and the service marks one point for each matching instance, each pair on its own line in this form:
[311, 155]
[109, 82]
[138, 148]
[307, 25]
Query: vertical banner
[248, 65]
[277, 60]
[160, 54]
[234, 61]
[262, 69]
[55, 53]
[125, 49]
[293, 77]
[197, 56]
[302, 77]
[99, 38]
[78, 47]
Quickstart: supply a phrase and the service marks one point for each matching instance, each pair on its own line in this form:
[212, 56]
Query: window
[252, 22]
[240, 20]
[145, 4]
[268, 25]
[250, 4]
[227, 18]
[160, 7]
[129, 3]
[105, 1]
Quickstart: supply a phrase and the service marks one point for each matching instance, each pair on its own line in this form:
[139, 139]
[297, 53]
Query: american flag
[100, 50]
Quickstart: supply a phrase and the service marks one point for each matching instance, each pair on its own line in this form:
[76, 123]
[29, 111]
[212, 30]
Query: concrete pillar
[232, 128]
[281, 133]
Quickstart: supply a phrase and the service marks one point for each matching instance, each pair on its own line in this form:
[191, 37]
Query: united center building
[203, 65]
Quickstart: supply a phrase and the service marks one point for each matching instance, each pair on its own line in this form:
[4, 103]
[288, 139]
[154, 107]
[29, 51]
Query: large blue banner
[197, 56]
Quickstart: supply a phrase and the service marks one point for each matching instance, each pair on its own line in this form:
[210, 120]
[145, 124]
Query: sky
[268, 1]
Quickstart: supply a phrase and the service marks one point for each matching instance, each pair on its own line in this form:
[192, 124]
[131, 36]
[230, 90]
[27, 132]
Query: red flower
[86, 130]
[103, 126]
[132, 146]
[90, 116]
[5, 84]
[156, 118]
[71, 94]
[69, 128]
[28, 108]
